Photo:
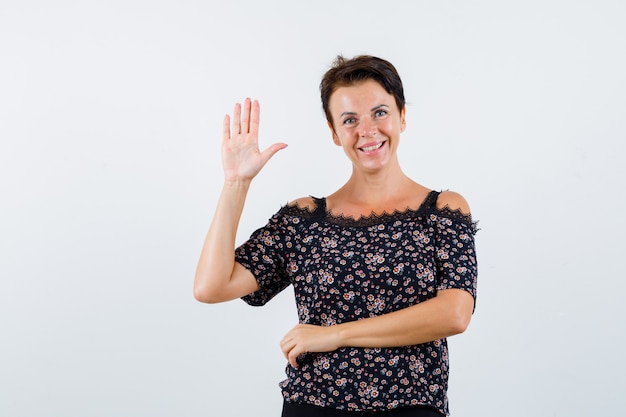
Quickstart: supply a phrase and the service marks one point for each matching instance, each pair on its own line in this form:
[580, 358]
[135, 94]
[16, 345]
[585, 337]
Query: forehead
[364, 94]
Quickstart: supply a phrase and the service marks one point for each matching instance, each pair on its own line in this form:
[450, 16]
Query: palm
[241, 156]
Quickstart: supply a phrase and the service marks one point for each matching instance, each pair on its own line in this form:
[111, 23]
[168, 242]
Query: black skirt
[308, 410]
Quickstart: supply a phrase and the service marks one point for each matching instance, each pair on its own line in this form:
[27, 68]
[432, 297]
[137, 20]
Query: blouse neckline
[429, 206]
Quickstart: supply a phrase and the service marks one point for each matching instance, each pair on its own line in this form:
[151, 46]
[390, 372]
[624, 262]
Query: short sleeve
[456, 254]
[262, 254]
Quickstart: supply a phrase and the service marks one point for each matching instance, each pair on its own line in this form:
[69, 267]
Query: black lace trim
[457, 214]
[321, 214]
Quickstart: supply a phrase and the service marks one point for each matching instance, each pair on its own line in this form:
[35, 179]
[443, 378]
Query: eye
[380, 113]
[349, 121]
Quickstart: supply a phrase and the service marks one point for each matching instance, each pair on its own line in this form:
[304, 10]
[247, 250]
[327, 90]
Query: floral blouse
[343, 270]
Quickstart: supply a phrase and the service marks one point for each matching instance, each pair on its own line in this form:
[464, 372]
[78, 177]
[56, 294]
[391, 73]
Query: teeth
[372, 148]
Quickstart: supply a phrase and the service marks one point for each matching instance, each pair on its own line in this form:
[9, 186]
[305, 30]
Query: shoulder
[303, 203]
[453, 201]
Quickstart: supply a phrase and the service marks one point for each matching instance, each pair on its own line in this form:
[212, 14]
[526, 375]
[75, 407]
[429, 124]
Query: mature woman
[383, 269]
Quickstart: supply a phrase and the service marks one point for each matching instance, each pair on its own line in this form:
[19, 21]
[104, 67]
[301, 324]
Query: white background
[110, 127]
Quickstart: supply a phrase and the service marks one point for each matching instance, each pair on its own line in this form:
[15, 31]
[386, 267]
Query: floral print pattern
[344, 269]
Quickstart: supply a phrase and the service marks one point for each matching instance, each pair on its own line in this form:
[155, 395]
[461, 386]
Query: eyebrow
[351, 113]
[380, 106]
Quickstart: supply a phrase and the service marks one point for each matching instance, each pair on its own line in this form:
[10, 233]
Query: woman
[383, 269]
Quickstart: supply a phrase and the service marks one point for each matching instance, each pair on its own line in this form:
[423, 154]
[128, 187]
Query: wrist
[237, 184]
[340, 334]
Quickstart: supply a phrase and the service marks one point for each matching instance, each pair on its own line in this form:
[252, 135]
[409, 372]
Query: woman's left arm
[447, 314]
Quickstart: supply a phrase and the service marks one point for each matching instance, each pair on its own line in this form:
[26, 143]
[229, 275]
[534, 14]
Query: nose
[367, 128]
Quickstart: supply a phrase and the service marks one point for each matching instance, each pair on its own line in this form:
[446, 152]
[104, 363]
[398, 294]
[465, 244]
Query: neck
[375, 190]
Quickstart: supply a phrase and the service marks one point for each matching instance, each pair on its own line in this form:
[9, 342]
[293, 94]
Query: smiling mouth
[372, 148]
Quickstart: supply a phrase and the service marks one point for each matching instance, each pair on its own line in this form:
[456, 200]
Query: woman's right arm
[218, 277]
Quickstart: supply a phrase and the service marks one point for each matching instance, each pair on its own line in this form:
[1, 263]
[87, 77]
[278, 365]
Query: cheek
[393, 126]
[386, 126]
[345, 135]
[339, 138]
[333, 135]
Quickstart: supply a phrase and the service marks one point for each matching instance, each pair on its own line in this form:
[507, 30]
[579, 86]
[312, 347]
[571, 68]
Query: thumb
[271, 151]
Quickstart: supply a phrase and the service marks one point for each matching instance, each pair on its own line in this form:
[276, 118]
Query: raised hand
[241, 156]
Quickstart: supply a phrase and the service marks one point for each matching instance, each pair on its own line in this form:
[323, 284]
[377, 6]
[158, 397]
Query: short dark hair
[346, 72]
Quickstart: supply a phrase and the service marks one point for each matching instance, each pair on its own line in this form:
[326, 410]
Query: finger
[271, 151]
[286, 345]
[245, 117]
[255, 117]
[226, 128]
[293, 357]
[286, 351]
[237, 119]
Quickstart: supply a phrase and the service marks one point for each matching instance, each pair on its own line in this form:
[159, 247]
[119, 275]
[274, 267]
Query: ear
[335, 137]
[403, 119]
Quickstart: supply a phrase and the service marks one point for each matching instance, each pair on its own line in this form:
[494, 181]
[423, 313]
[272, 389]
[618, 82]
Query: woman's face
[367, 124]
